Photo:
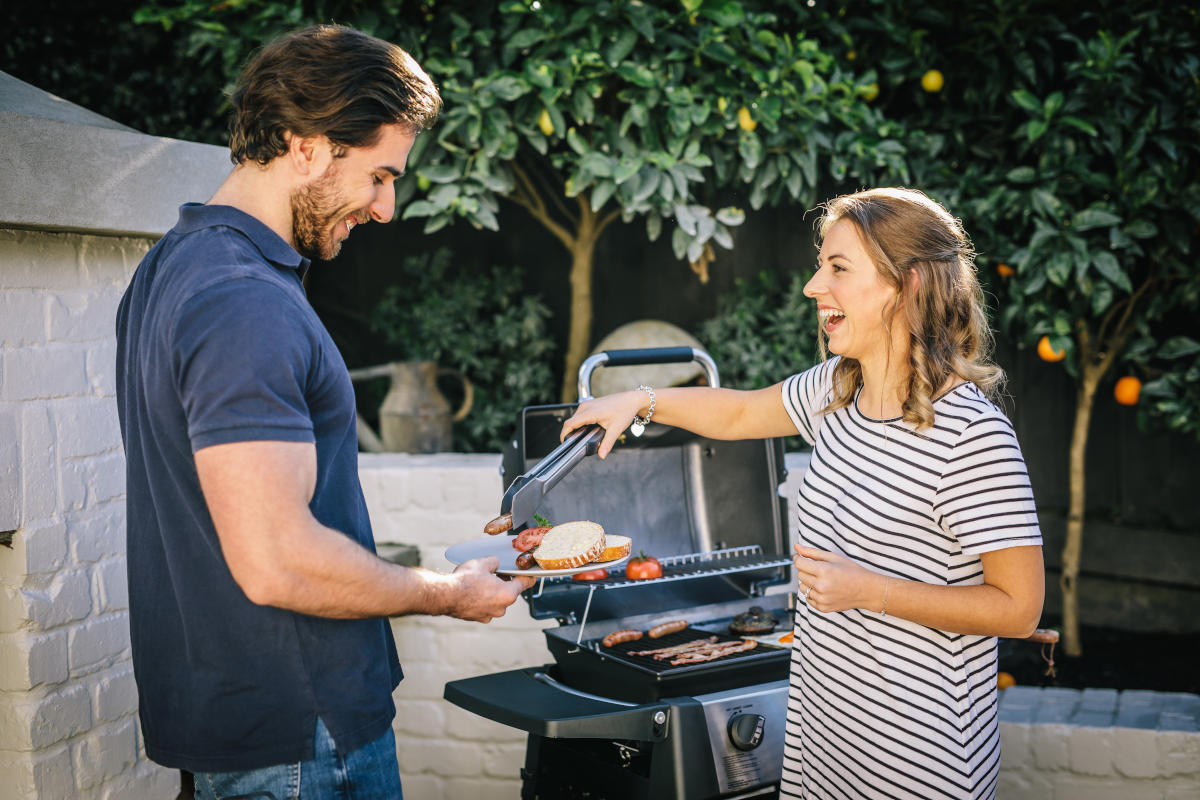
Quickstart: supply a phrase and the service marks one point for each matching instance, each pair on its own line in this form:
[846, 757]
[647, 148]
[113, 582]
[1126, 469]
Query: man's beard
[312, 221]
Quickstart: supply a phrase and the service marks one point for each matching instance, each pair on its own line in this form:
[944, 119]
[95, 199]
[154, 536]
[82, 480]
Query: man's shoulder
[214, 260]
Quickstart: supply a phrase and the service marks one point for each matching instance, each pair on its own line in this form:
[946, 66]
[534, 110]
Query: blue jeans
[369, 773]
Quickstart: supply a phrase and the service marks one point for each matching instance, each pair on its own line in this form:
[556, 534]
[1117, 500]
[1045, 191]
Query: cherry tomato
[643, 567]
[591, 575]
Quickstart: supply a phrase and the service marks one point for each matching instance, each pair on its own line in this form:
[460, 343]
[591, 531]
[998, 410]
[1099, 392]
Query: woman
[919, 541]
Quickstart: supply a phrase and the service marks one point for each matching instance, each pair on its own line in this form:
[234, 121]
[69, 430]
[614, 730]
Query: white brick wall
[68, 704]
[444, 752]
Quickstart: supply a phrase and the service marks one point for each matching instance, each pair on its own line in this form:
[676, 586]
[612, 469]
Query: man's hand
[481, 595]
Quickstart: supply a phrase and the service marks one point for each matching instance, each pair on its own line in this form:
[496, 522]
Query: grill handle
[647, 355]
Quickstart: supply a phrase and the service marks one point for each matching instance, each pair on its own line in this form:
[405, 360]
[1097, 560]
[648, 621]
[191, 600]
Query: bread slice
[615, 547]
[569, 545]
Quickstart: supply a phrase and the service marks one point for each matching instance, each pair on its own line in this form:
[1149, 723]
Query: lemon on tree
[869, 92]
[745, 121]
[932, 81]
[545, 123]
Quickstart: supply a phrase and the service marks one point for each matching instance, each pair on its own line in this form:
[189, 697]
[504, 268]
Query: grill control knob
[746, 731]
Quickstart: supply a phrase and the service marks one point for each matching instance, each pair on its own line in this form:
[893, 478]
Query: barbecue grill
[604, 723]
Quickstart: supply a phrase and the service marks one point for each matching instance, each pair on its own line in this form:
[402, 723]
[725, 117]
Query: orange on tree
[745, 121]
[932, 81]
[1127, 390]
[545, 123]
[1004, 680]
[1005, 270]
[1047, 351]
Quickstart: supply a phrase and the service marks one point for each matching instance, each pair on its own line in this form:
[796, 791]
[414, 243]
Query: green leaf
[525, 38]
[619, 50]
[1141, 229]
[731, 216]
[1108, 266]
[601, 194]
[1178, 347]
[576, 142]
[440, 173]
[1091, 218]
[420, 208]
[436, 223]
[1076, 122]
[1022, 175]
[750, 148]
[508, 87]
[1058, 268]
[638, 74]
[1101, 297]
[581, 104]
[1026, 100]
[653, 227]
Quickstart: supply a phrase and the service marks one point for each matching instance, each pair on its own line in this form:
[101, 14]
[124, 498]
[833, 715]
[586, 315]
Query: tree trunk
[579, 336]
[1085, 397]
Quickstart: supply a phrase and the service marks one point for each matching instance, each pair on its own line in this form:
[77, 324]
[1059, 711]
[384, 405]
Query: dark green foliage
[1066, 137]
[764, 331]
[479, 324]
[1068, 140]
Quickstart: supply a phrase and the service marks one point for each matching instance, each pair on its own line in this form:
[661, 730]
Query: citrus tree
[587, 113]
[678, 116]
[1070, 145]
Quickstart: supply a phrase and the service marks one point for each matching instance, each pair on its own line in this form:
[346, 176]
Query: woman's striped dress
[879, 707]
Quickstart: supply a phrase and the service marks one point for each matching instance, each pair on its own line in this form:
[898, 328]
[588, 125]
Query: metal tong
[526, 492]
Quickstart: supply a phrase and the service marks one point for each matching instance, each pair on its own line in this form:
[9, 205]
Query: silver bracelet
[886, 581]
[638, 426]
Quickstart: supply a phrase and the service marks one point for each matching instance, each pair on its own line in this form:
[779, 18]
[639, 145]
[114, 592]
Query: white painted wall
[68, 704]
[81, 200]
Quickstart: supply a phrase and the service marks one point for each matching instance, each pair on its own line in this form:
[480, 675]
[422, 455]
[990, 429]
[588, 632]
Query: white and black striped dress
[880, 707]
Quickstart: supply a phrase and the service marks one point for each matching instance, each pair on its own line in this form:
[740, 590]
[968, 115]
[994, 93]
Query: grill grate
[624, 651]
[685, 567]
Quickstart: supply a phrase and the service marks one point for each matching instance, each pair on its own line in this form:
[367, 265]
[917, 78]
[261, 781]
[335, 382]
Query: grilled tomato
[591, 575]
[643, 567]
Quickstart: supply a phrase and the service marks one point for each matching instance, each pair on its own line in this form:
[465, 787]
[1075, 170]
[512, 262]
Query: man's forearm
[322, 572]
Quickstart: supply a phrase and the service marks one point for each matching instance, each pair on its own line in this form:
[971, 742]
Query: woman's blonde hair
[904, 230]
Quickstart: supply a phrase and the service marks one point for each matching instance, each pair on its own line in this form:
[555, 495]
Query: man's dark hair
[330, 80]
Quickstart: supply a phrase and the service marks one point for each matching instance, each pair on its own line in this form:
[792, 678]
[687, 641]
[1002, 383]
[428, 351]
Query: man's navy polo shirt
[217, 343]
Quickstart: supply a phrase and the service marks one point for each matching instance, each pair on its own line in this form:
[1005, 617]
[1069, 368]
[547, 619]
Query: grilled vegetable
[643, 567]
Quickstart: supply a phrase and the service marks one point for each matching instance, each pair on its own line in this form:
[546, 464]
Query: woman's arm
[714, 413]
[1008, 603]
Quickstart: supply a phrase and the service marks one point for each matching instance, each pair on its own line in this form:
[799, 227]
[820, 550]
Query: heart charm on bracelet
[637, 428]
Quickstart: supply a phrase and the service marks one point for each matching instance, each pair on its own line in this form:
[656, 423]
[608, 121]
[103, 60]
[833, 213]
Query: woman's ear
[914, 280]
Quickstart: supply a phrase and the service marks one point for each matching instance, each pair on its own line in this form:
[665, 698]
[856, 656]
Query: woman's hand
[830, 582]
[613, 412]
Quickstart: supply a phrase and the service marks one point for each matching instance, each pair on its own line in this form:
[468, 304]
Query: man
[258, 611]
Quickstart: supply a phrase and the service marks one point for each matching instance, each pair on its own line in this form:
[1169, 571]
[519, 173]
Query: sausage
[616, 637]
[500, 524]
[526, 561]
[658, 631]
[529, 538]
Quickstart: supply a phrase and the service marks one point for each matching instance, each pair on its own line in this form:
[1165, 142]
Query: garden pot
[415, 417]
